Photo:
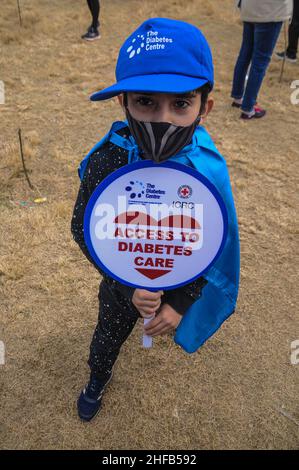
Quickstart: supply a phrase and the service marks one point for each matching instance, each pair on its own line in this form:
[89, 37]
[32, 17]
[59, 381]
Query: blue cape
[219, 296]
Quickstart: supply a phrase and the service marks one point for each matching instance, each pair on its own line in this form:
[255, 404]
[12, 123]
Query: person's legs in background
[242, 64]
[94, 6]
[294, 33]
[290, 54]
[93, 32]
[265, 38]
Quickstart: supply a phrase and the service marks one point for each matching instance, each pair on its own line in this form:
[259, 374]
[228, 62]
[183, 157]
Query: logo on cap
[152, 42]
[136, 48]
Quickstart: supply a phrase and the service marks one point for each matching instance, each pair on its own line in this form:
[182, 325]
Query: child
[164, 76]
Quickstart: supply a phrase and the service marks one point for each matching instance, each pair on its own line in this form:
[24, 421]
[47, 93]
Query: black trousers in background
[117, 318]
[94, 6]
[294, 31]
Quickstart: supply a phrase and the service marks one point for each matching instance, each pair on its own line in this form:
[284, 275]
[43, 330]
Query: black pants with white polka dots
[117, 318]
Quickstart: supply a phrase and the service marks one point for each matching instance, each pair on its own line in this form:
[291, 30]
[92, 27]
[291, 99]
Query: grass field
[240, 389]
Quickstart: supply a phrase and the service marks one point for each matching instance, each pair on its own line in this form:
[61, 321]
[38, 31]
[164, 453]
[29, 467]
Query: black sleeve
[99, 166]
[182, 298]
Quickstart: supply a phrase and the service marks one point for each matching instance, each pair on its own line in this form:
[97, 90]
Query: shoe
[91, 35]
[90, 399]
[256, 113]
[282, 55]
[236, 105]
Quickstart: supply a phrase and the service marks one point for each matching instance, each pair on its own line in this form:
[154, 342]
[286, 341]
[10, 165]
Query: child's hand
[146, 302]
[167, 320]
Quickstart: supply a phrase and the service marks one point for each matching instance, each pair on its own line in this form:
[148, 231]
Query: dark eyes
[145, 101]
[182, 104]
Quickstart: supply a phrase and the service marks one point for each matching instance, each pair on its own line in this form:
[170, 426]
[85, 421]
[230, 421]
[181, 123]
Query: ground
[240, 390]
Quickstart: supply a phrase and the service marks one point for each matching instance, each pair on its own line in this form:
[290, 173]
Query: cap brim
[158, 83]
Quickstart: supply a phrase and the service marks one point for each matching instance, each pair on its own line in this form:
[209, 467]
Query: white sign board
[155, 226]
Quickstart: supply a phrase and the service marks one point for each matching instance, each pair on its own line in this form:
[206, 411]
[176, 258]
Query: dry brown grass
[235, 392]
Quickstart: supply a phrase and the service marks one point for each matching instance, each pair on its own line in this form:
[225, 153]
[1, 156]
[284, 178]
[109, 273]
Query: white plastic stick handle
[147, 341]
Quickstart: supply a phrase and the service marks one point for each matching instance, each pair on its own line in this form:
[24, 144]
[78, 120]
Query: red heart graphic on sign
[172, 221]
[153, 273]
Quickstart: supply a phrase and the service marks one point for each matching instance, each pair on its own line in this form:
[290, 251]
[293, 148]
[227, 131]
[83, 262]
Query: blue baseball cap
[162, 56]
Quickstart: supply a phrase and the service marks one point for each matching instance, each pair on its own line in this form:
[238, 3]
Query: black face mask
[160, 140]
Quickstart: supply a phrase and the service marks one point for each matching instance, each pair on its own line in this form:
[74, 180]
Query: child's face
[180, 110]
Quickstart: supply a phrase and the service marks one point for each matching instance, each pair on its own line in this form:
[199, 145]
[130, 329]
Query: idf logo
[135, 189]
[136, 46]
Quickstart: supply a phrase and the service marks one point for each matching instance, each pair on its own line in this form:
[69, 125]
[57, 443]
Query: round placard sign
[155, 226]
